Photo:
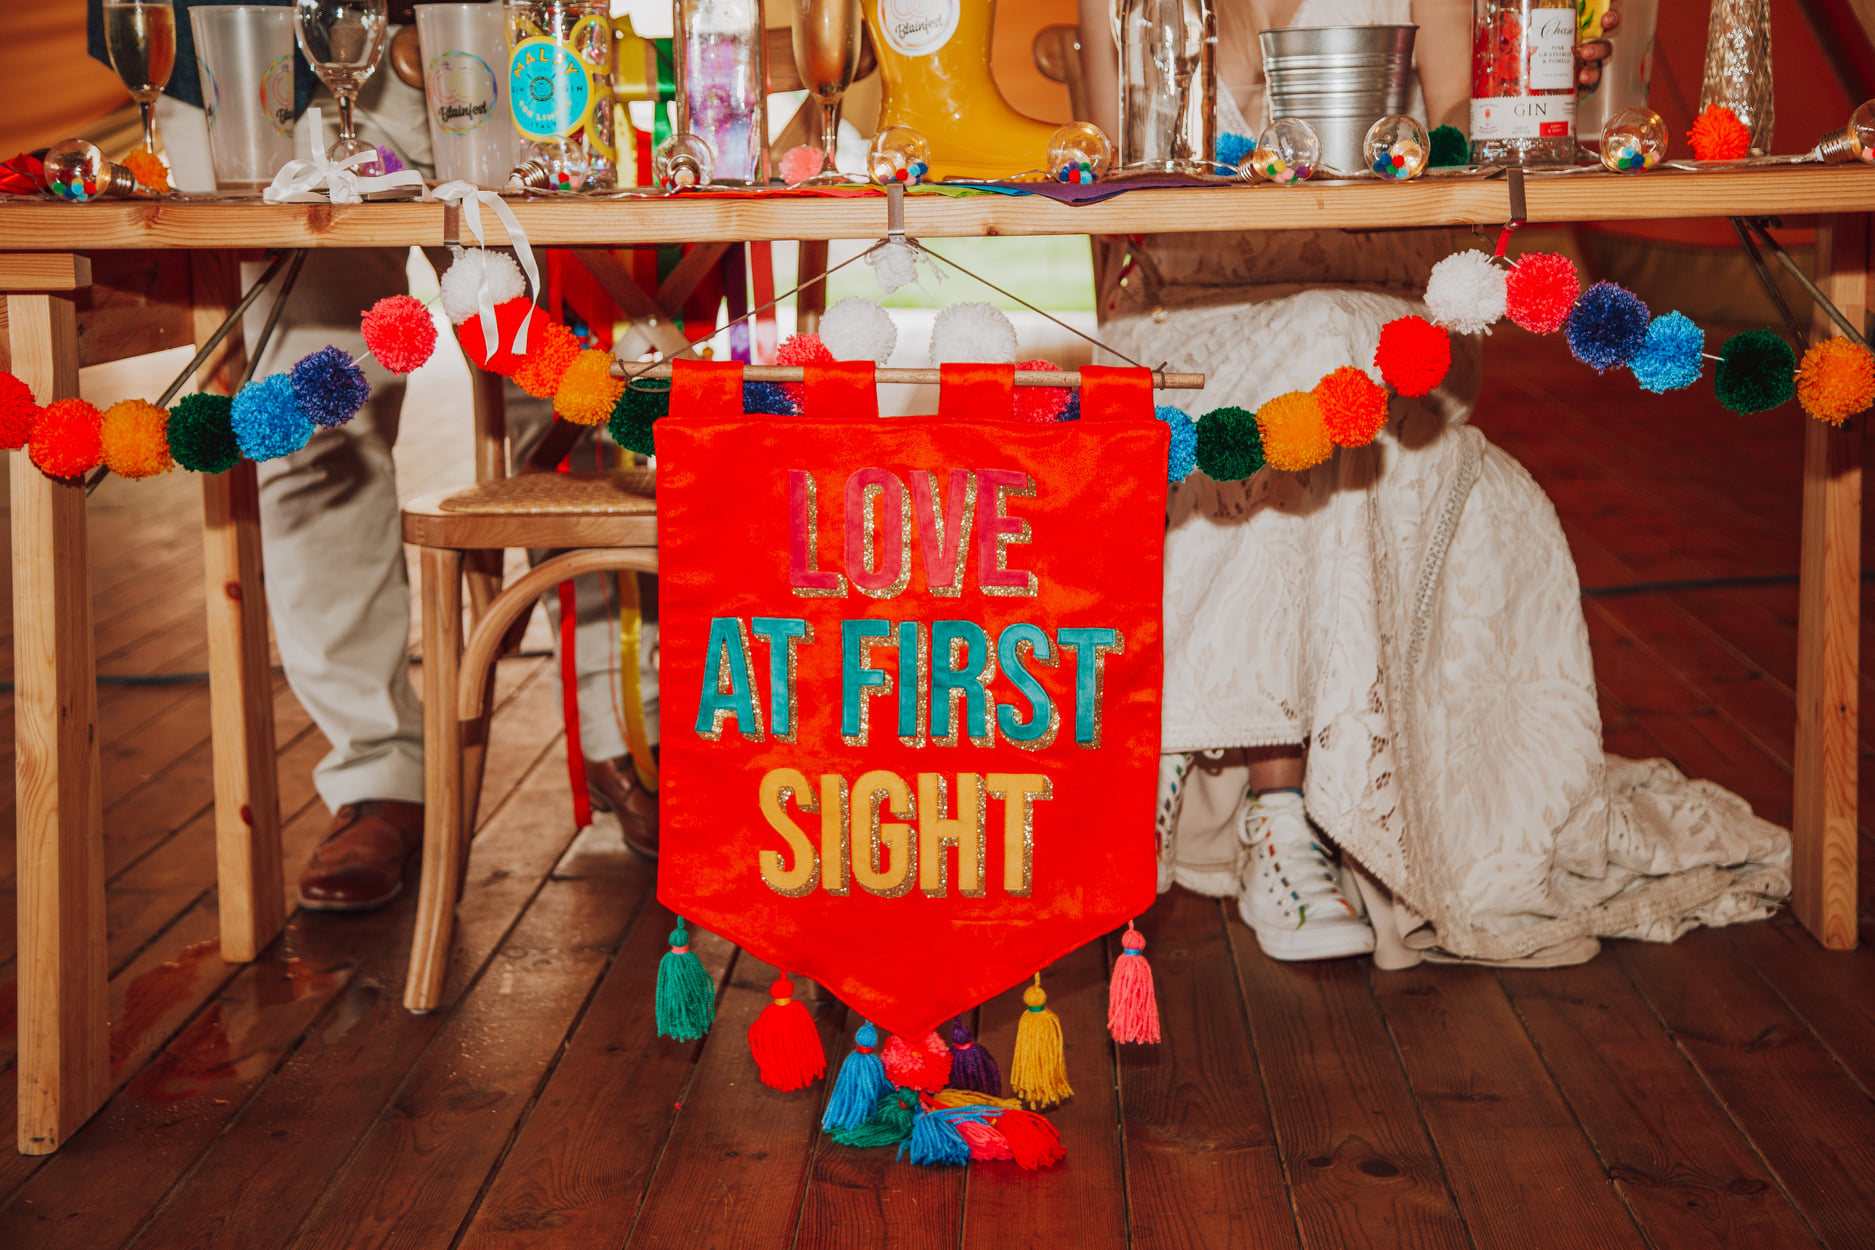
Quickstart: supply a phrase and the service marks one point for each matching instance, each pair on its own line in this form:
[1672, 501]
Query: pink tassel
[1132, 1011]
[786, 1045]
[984, 1141]
[924, 1064]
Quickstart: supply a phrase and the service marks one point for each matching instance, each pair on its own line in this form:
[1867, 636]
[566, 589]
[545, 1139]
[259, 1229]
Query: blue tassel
[860, 1085]
[973, 1067]
[935, 1141]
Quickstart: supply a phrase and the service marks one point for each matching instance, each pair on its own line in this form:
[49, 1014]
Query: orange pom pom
[1294, 435]
[134, 436]
[1836, 380]
[1718, 135]
[588, 390]
[66, 439]
[550, 353]
[148, 168]
[1353, 405]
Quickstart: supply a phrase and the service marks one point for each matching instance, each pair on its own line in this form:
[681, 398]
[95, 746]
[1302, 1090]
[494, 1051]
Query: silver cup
[465, 84]
[1341, 80]
[245, 52]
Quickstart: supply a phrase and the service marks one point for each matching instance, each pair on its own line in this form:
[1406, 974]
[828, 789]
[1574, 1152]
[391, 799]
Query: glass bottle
[1738, 66]
[722, 81]
[560, 90]
[1168, 93]
[1523, 82]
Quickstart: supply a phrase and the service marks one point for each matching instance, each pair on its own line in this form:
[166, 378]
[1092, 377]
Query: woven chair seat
[609, 508]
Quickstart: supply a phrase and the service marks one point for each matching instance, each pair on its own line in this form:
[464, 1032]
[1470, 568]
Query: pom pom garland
[1183, 456]
[686, 997]
[1540, 290]
[399, 332]
[972, 333]
[588, 391]
[858, 329]
[19, 411]
[1040, 405]
[462, 282]
[800, 349]
[134, 439]
[201, 434]
[508, 319]
[1353, 406]
[1755, 372]
[800, 163]
[1607, 326]
[66, 440]
[550, 354]
[267, 419]
[1039, 1072]
[1294, 435]
[924, 1064]
[1228, 446]
[786, 1046]
[1413, 355]
[642, 403]
[1466, 293]
[1718, 135]
[1836, 380]
[329, 387]
[1671, 356]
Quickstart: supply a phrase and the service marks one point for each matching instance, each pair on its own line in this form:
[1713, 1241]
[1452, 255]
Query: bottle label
[1550, 41]
[548, 91]
[461, 88]
[1523, 117]
[918, 27]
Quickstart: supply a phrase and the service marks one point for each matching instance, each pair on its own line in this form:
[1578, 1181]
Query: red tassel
[924, 1064]
[786, 1045]
[984, 1141]
[1033, 1141]
[1132, 1011]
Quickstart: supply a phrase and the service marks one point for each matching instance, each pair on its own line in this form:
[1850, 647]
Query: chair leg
[445, 836]
[482, 572]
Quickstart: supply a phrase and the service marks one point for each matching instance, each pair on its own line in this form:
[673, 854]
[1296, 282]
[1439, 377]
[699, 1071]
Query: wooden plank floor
[1713, 1092]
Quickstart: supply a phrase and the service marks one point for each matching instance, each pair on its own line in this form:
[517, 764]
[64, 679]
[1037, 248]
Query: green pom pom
[890, 1123]
[201, 434]
[644, 401]
[1449, 147]
[1230, 447]
[1757, 372]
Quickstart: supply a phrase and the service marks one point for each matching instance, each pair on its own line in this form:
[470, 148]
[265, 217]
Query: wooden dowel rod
[1065, 378]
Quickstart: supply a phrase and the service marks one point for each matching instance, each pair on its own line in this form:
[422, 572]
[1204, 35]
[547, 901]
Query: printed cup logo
[276, 94]
[918, 27]
[548, 92]
[461, 88]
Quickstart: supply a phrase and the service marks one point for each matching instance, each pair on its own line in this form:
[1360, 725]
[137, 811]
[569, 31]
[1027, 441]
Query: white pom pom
[858, 329]
[1466, 293]
[894, 265]
[974, 334]
[462, 284]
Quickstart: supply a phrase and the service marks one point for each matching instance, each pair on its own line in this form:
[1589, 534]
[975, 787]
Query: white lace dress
[1410, 611]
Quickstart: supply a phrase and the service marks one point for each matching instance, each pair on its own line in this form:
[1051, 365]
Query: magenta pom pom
[1040, 404]
[801, 163]
[399, 333]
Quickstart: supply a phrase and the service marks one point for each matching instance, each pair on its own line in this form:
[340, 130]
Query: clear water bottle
[1168, 93]
[722, 82]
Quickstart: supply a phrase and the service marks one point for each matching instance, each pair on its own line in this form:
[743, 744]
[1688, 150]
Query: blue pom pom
[1233, 150]
[1672, 355]
[267, 419]
[1607, 326]
[1184, 455]
[767, 398]
[1073, 411]
[330, 388]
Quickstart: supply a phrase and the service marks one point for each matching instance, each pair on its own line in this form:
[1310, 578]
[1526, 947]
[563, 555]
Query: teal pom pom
[1229, 446]
[1233, 150]
[644, 402]
[1449, 147]
[1757, 372]
[201, 434]
[329, 387]
[1672, 356]
[686, 997]
[1184, 455]
[268, 421]
[861, 1084]
[1607, 326]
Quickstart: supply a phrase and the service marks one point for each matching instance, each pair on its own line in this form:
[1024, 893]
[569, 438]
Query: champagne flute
[140, 36]
[342, 40]
[826, 56]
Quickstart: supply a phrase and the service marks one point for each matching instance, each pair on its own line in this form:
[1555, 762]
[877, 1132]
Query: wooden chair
[601, 521]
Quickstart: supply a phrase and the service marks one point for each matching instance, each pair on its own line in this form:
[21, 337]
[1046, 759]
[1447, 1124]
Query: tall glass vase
[1738, 66]
[722, 81]
[1168, 85]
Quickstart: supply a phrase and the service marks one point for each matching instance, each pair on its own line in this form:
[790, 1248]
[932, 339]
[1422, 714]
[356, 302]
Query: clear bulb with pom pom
[557, 164]
[1634, 139]
[1288, 150]
[1079, 153]
[683, 160]
[1397, 147]
[76, 170]
[898, 154]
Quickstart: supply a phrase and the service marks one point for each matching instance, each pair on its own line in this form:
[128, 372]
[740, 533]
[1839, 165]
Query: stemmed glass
[342, 40]
[140, 36]
[826, 55]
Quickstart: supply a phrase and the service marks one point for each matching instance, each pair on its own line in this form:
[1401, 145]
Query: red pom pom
[68, 439]
[1413, 356]
[924, 1064]
[1040, 404]
[1718, 135]
[19, 412]
[1540, 291]
[399, 332]
[1354, 406]
[801, 349]
[508, 318]
[786, 1045]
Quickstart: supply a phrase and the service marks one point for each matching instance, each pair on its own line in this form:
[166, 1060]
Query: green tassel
[686, 995]
[889, 1125]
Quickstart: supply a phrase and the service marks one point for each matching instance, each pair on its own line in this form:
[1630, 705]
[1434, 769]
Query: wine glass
[140, 36]
[826, 56]
[341, 40]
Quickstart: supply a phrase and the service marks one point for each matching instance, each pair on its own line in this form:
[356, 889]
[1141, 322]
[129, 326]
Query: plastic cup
[245, 52]
[465, 80]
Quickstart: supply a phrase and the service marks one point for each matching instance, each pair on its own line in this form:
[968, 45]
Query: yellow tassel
[1039, 1074]
[971, 1098]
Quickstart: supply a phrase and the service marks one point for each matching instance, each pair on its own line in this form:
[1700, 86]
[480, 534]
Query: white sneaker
[1291, 894]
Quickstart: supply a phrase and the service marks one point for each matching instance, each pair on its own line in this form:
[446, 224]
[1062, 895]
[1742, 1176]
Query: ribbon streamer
[319, 180]
[471, 198]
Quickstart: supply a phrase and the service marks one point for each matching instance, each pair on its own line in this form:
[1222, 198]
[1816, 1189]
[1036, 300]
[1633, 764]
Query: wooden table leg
[64, 1032]
[1829, 627]
[247, 796]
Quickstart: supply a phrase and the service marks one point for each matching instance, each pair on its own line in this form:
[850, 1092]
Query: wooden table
[164, 273]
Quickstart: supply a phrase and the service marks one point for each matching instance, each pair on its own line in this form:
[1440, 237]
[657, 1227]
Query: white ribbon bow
[319, 180]
[471, 198]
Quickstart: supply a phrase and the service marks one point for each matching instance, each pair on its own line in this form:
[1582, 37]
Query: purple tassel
[972, 1066]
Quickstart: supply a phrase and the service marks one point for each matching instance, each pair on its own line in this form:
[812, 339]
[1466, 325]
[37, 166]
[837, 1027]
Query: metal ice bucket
[1339, 79]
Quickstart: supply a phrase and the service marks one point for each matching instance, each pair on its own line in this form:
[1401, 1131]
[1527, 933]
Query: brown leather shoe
[614, 787]
[360, 865]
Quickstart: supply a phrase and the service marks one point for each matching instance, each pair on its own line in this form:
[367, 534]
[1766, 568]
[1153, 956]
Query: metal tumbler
[465, 59]
[245, 53]
[1341, 80]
